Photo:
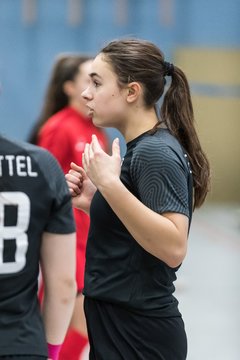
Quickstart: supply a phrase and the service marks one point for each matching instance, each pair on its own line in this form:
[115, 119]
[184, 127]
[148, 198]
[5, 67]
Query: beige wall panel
[218, 125]
[210, 66]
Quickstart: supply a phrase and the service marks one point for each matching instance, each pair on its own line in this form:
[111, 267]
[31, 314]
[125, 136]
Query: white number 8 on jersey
[17, 232]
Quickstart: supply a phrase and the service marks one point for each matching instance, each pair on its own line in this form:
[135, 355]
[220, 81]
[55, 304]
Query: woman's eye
[95, 83]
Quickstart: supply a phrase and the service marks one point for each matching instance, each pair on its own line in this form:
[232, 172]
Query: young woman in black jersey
[36, 228]
[140, 208]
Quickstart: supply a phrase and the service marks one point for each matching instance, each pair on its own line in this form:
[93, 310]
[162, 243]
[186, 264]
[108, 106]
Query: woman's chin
[100, 122]
[96, 121]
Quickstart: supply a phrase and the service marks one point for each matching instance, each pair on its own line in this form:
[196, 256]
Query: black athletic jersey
[156, 170]
[33, 198]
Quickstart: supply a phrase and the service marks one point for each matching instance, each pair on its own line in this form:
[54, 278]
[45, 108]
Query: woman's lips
[90, 111]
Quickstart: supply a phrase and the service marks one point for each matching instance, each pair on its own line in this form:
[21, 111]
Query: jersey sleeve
[61, 219]
[160, 178]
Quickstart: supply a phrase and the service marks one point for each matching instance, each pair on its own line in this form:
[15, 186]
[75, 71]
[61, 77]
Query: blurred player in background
[64, 129]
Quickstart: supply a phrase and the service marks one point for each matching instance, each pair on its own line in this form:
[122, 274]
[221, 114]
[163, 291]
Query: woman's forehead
[101, 67]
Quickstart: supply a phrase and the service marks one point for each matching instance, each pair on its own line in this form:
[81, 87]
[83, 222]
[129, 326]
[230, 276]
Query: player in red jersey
[64, 129]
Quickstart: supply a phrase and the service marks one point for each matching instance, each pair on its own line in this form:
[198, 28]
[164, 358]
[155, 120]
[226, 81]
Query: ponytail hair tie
[168, 68]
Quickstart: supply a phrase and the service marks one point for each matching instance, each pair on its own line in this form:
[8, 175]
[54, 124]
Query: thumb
[78, 169]
[116, 147]
[75, 166]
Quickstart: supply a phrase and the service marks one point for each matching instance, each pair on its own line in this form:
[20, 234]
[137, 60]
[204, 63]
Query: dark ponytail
[140, 60]
[177, 113]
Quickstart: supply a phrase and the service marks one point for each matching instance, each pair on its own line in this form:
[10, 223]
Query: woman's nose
[86, 94]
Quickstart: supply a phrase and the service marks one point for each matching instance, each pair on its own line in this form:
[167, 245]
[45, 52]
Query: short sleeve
[61, 219]
[160, 178]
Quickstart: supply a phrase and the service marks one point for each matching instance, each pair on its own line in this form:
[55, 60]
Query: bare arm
[58, 264]
[162, 235]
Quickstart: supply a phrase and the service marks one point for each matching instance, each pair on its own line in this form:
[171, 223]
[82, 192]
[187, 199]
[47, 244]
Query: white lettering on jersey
[17, 232]
[10, 158]
[19, 165]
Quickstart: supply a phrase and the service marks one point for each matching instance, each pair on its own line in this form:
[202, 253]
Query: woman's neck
[138, 123]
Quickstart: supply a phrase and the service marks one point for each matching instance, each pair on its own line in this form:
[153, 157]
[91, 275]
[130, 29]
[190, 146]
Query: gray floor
[208, 285]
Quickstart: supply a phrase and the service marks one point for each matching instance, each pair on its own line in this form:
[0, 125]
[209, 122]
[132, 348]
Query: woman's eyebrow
[94, 74]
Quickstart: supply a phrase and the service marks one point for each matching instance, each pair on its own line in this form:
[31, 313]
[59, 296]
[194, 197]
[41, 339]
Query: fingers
[95, 144]
[88, 154]
[116, 148]
[72, 192]
[73, 189]
[84, 162]
[74, 177]
[76, 167]
[74, 182]
[86, 157]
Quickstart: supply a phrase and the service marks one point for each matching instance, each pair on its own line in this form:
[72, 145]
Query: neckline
[133, 141]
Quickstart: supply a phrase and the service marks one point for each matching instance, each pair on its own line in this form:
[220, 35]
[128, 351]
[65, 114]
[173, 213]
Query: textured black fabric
[159, 173]
[119, 334]
[118, 269]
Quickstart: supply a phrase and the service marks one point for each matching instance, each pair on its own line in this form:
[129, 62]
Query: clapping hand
[80, 186]
[100, 167]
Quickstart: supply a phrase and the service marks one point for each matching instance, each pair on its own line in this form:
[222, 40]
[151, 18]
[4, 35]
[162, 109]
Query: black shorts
[119, 334]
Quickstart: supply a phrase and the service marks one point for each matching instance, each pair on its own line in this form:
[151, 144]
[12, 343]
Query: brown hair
[65, 68]
[142, 61]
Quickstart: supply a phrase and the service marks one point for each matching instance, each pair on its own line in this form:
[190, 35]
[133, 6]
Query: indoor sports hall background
[201, 37]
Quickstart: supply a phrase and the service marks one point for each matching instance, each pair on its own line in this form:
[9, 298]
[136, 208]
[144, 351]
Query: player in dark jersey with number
[141, 212]
[36, 227]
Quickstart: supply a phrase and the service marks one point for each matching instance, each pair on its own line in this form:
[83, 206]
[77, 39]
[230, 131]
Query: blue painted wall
[28, 51]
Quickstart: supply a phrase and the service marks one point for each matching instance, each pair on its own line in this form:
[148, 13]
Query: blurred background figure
[64, 128]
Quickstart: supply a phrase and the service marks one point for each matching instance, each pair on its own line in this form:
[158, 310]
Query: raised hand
[80, 187]
[101, 168]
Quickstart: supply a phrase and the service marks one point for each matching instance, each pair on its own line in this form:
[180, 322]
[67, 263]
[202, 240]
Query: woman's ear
[133, 91]
[68, 87]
